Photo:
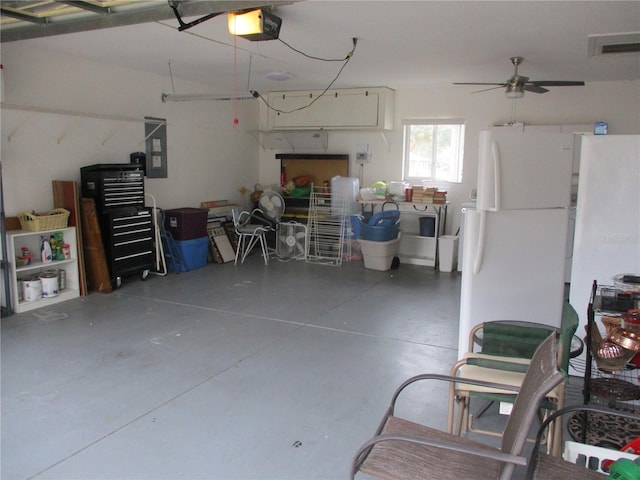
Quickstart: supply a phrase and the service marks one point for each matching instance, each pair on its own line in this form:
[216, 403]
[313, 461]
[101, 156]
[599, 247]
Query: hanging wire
[236, 121]
[173, 87]
[319, 58]
[346, 60]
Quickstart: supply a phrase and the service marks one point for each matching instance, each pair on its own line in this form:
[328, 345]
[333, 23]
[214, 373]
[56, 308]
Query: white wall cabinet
[353, 108]
[16, 239]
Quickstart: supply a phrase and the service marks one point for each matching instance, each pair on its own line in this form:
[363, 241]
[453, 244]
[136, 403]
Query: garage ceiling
[22, 19]
[401, 44]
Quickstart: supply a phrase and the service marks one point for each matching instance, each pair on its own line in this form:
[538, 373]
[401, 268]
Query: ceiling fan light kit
[514, 91]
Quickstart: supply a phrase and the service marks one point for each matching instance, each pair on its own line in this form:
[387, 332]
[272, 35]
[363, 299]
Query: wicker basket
[56, 218]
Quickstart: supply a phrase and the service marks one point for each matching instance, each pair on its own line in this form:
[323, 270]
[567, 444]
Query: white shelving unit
[16, 239]
[414, 248]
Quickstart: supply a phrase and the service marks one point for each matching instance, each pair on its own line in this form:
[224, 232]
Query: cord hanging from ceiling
[345, 61]
[235, 83]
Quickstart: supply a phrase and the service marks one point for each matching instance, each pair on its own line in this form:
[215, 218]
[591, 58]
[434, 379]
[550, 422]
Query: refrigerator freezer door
[524, 171]
[522, 272]
[607, 235]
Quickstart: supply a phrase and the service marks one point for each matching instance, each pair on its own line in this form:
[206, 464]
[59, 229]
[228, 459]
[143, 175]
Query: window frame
[406, 126]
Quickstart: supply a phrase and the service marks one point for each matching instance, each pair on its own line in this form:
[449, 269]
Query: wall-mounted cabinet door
[336, 109]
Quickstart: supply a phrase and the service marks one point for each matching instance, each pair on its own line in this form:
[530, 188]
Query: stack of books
[429, 195]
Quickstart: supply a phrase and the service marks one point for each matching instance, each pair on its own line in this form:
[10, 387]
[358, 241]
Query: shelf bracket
[66, 132]
[111, 134]
[386, 140]
[18, 127]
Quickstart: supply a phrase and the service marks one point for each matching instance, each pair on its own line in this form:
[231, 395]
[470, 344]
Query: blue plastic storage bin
[194, 254]
[381, 227]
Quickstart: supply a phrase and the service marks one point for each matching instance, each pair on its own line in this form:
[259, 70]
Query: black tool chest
[126, 224]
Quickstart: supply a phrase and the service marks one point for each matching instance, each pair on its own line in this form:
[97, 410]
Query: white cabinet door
[334, 109]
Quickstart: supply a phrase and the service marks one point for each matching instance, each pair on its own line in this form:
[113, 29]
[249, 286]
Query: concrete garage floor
[224, 372]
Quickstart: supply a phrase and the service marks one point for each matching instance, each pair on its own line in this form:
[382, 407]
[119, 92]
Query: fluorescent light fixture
[192, 97]
[255, 25]
[279, 76]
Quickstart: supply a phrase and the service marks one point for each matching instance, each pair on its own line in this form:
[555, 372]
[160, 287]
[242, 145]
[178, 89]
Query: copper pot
[626, 338]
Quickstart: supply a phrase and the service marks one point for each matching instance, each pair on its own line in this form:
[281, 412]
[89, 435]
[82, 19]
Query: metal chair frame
[249, 234]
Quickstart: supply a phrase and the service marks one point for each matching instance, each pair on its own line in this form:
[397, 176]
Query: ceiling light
[255, 25]
[279, 76]
[514, 91]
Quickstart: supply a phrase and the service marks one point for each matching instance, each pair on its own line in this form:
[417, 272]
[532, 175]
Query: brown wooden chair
[405, 450]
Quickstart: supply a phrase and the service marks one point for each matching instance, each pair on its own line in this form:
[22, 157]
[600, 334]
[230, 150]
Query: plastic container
[194, 254]
[379, 255]
[447, 252]
[346, 188]
[428, 226]
[186, 223]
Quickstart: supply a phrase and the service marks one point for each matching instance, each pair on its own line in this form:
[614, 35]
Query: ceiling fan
[517, 84]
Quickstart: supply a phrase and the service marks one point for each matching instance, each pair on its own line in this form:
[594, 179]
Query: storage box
[194, 254]
[379, 255]
[186, 223]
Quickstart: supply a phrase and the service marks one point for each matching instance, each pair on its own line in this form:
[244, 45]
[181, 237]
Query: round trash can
[447, 252]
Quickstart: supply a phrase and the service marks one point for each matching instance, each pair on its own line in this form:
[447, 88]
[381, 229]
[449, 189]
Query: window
[433, 150]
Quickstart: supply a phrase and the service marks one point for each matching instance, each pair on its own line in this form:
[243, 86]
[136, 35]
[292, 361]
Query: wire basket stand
[326, 228]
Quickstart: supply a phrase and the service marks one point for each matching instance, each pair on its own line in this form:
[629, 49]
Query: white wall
[207, 157]
[615, 102]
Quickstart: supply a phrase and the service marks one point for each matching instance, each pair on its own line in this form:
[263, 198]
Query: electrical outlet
[362, 153]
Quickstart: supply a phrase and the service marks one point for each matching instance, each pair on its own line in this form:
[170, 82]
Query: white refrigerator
[607, 235]
[515, 241]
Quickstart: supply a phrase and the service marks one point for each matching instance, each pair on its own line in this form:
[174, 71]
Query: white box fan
[292, 240]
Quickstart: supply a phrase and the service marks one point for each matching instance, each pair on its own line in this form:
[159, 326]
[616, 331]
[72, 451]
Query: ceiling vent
[614, 43]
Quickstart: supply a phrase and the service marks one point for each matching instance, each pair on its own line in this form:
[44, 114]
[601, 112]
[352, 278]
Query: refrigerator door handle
[497, 177]
[477, 263]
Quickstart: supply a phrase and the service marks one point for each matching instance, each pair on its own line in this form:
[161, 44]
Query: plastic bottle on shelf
[47, 255]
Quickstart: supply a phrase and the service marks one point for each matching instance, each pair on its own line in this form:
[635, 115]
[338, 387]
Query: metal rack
[326, 228]
[618, 388]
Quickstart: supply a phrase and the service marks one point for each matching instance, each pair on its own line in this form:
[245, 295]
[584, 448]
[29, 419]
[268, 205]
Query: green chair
[506, 350]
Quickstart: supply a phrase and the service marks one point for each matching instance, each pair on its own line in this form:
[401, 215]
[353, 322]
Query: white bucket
[49, 285]
[32, 290]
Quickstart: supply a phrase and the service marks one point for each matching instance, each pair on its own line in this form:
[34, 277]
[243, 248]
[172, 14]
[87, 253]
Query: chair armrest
[450, 379]
[496, 362]
[533, 459]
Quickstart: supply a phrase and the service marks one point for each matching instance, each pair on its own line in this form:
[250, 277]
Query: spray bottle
[45, 250]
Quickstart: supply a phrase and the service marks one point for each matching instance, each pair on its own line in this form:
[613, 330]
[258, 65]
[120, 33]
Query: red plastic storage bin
[186, 223]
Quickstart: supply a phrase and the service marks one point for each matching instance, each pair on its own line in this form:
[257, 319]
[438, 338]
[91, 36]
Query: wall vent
[614, 44]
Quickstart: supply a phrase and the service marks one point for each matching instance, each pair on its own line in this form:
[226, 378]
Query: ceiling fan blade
[487, 89]
[534, 89]
[556, 83]
[479, 83]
